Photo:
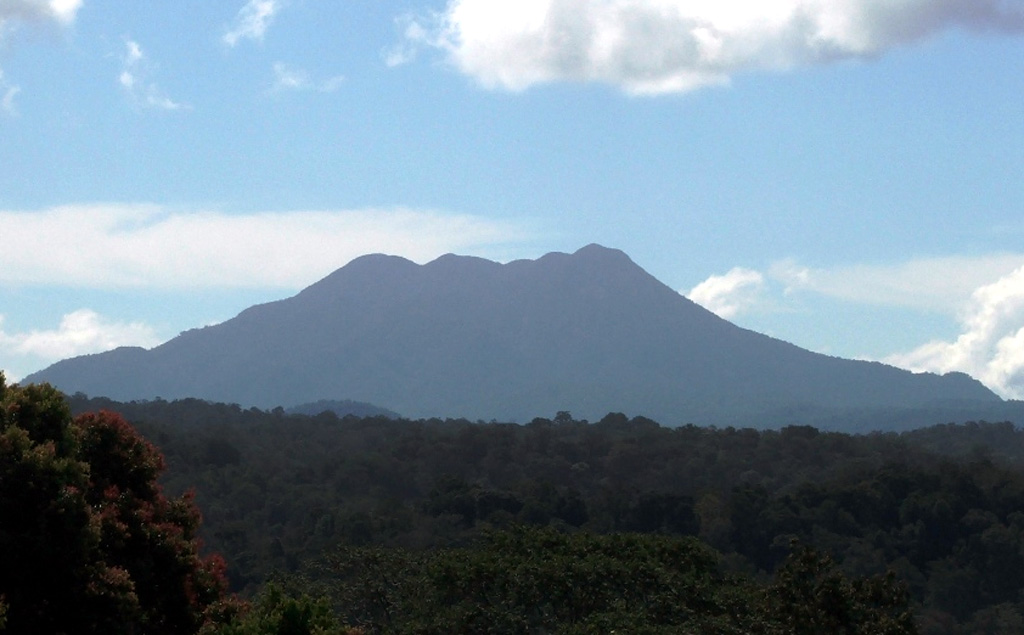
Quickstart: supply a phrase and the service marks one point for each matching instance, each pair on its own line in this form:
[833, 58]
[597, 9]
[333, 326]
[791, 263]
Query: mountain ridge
[590, 332]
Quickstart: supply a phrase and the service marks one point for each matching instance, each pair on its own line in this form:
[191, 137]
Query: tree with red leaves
[88, 542]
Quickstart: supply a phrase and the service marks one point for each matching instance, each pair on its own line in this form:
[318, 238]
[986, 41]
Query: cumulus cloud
[61, 12]
[134, 79]
[65, 10]
[252, 21]
[110, 246]
[287, 78]
[730, 294]
[79, 333]
[985, 294]
[991, 344]
[665, 46]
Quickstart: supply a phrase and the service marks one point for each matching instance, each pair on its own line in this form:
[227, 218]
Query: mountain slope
[590, 332]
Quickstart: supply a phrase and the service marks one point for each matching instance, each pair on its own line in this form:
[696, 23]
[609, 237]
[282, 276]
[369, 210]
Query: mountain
[589, 332]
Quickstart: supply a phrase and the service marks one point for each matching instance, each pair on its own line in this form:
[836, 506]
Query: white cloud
[65, 10]
[288, 78]
[252, 22]
[414, 35]
[14, 12]
[941, 284]
[79, 333]
[134, 79]
[984, 293]
[8, 92]
[62, 12]
[730, 294]
[7, 102]
[665, 46]
[991, 345]
[110, 246]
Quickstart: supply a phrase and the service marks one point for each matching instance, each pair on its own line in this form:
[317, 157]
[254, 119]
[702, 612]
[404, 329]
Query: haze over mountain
[589, 332]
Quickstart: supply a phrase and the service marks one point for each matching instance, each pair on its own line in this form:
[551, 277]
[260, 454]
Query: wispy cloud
[667, 46]
[134, 79]
[252, 21]
[942, 284]
[414, 36]
[991, 344]
[939, 285]
[79, 333]
[8, 92]
[110, 246]
[287, 78]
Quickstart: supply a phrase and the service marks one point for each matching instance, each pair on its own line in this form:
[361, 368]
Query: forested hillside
[942, 507]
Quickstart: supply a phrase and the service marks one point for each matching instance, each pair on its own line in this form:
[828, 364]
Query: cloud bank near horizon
[985, 294]
[991, 344]
[79, 333]
[150, 247]
[651, 47]
[117, 246]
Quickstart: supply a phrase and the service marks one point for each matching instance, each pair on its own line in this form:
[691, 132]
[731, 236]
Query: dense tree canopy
[539, 580]
[940, 508]
[88, 542]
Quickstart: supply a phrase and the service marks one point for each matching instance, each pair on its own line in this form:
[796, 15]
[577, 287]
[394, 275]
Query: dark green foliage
[810, 595]
[277, 613]
[530, 580]
[947, 519]
[88, 543]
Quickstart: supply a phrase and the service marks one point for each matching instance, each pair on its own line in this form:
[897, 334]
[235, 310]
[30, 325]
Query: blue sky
[841, 174]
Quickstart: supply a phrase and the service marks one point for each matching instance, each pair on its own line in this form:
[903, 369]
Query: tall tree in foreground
[88, 542]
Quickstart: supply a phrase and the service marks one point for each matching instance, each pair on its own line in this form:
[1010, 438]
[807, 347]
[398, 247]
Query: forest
[569, 526]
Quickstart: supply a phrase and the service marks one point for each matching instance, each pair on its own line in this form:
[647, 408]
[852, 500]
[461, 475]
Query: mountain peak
[362, 271]
[594, 250]
[590, 332]
[452, 262]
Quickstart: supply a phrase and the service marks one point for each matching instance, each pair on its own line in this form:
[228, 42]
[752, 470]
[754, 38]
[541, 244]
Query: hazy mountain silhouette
[342, 408]
[590, 332]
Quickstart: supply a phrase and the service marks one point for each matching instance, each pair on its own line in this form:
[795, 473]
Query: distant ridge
[589, 332]
[342, 408]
